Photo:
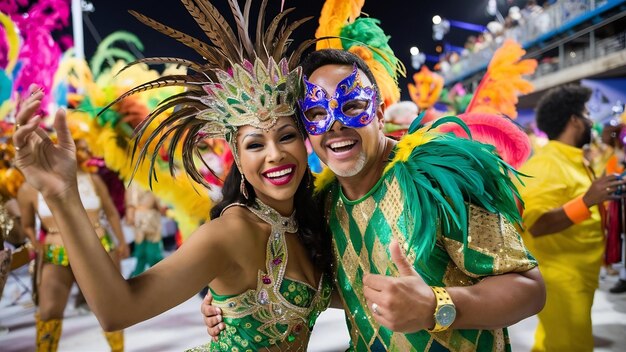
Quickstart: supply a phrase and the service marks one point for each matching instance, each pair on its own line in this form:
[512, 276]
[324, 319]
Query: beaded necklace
[266, 304]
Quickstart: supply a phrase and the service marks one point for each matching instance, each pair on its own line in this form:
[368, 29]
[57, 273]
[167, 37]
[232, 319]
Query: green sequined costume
[437, 198]
[280, 313]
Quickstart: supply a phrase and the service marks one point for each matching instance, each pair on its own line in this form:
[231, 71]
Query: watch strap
[442, 298]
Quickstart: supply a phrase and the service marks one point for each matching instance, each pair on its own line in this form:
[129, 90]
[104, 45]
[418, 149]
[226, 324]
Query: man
[562, 219]
[612, 137]
[386, 194]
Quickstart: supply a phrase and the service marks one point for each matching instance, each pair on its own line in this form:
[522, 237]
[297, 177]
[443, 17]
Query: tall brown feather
[246, 14]
[163, 60]
[294, 58]
[271, 30]
[195, 44]
[210, 27]
[280, 45]
[225, 30]
[242, 30]
[166, 81]
[160, 136]
[259, 45]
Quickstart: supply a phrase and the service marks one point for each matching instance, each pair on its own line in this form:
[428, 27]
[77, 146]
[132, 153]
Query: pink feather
[39, 53]
[510, 141]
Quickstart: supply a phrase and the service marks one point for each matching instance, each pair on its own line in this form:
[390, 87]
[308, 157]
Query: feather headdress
[494, 103]
[339, 28]
[111, 132]
[242, 82]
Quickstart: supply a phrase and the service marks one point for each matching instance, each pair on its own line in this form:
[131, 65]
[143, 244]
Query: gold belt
[54, 230]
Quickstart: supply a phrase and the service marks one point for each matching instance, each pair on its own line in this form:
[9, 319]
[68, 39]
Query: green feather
[452, 119]
[366, 31]
[105, 51]
[444, 174]
[417, 122]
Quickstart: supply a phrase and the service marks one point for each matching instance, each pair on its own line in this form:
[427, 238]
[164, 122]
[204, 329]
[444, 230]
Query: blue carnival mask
[352, 104]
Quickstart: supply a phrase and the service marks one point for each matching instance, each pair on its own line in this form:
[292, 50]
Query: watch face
[446, 314]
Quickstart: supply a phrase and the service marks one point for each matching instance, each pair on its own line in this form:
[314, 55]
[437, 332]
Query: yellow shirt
[558, 175]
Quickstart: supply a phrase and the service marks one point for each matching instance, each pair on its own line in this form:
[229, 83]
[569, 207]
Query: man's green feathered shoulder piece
[439, 174]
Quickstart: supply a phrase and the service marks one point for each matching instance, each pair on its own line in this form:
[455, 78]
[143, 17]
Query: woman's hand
[50, 168]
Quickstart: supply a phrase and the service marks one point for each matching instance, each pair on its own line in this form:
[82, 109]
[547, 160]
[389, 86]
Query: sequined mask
[352, 104]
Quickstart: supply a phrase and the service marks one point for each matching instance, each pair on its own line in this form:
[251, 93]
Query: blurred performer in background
[55, 277]
[142, 213]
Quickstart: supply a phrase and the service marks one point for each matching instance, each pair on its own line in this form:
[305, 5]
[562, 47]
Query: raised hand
[212, 317]
[48, 167]
[403, 304]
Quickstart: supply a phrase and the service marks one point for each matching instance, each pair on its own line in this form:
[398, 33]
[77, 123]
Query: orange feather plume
[427, 88]
[503, 82]
[336, 14]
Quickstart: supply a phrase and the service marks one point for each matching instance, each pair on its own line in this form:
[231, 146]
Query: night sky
[408, 22]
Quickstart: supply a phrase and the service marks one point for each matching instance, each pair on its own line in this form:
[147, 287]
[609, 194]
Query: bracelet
[576, 210]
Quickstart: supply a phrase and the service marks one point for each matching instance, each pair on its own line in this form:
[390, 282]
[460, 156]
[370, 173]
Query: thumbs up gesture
[402, 304]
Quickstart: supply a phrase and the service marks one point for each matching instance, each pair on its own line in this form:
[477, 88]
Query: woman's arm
[112, 215]
[118, 303]
[50, 168]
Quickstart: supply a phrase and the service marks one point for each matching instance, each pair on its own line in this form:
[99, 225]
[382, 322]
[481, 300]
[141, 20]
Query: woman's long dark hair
[312, 229]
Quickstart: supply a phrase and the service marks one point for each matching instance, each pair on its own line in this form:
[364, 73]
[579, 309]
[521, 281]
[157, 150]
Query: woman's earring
[242, 187]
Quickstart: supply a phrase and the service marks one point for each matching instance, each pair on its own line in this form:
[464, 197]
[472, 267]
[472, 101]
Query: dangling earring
[242, 187]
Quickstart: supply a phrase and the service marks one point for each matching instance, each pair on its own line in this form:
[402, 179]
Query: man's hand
[212, 317]
[403, 304]
[602, 189]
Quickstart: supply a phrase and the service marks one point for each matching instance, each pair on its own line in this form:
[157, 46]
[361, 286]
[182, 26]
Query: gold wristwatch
[445, 312]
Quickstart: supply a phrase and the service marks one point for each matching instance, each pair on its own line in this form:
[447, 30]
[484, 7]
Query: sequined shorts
[57, 255]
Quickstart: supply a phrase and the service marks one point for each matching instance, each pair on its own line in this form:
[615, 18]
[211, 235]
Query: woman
[10, 228]
[11, 232]
[273, 298]
[142, 213]
[264, 254]
[55, 278]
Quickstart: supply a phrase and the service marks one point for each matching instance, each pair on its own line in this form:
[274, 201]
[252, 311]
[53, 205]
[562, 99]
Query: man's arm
[407, 304]
[556, 220]
[498, 301]
[212, 317]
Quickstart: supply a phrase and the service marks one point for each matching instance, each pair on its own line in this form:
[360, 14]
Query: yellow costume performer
[570, 260]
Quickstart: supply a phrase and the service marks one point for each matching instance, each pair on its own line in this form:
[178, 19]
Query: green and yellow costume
[449, 203]
[280, 312]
